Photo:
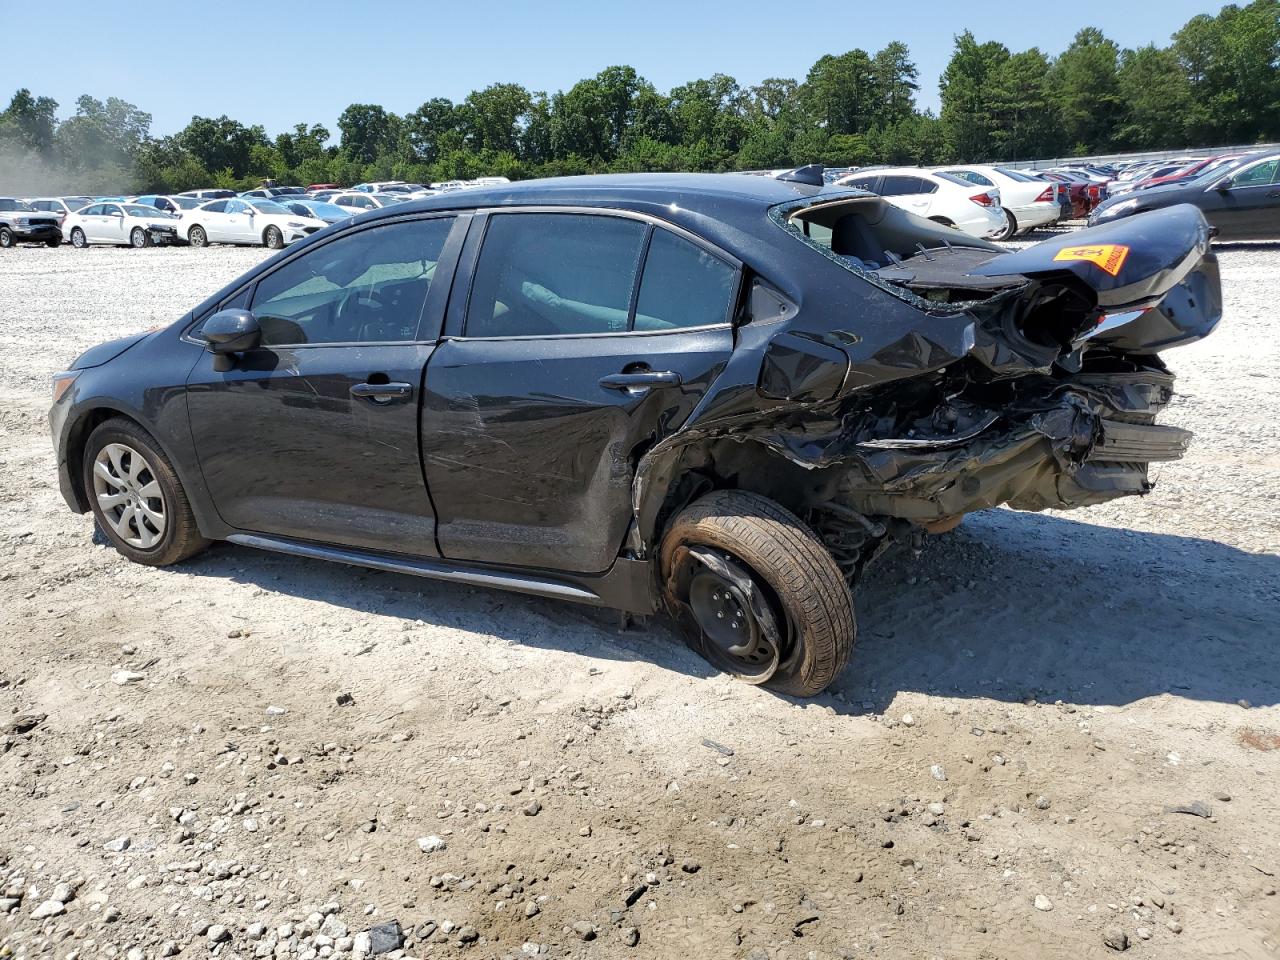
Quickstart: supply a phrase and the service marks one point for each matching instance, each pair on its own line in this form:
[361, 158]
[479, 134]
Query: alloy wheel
[129, 495]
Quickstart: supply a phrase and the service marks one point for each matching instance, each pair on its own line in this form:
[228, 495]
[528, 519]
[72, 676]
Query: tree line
[1218, 81]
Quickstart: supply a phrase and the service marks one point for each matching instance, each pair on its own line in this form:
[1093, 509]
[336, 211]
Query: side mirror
[1223, 185]
[229, 332]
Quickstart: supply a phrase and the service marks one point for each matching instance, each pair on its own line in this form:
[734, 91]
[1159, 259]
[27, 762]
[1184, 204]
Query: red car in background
[1078, 189]
[1187, 172]
[323, 186]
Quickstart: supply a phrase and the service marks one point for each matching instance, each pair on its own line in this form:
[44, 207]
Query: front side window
[237, 206]
[218, 206]
[366, 287]
[543, 274]
[111, 210]
[898, 186]
[1258, 175]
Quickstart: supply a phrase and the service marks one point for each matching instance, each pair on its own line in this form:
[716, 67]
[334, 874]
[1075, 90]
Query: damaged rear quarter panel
[943, 409]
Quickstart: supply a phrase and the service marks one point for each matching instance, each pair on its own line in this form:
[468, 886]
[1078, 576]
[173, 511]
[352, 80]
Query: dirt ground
[1059, 734]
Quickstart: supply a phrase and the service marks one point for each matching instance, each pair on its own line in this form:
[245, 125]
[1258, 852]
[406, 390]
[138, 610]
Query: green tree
[29, 122]
[221, 144]
[1160, 108]
[1086, 91]
[1020, 113]
[492, 118]
[368, 131]
[966, 110]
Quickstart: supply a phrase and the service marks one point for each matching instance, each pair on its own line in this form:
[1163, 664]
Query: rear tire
[197, 237]
[136, 495]
[799, 597]
[272, 238]
[139, 238]
[7, 239]
[78, 239]
[1010, 227]
[53, 242]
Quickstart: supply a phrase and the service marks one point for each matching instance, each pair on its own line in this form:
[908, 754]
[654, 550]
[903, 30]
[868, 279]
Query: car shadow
[1015, 605]
[1008, 607]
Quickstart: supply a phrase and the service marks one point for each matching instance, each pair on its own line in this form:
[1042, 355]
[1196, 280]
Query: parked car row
[272, 216]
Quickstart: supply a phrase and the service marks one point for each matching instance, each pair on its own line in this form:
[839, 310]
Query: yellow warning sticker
[1108, 256]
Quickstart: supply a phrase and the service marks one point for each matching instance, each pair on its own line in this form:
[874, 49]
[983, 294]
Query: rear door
[110, 225]
[212, 218]
[578, 339]
[237, 225]
[314, 434]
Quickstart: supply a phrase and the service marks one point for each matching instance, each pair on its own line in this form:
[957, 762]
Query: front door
[314, 434]
[586, 339]
[1250, 208]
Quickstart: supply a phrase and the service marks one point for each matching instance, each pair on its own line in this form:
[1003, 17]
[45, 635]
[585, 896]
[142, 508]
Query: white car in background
[1027, 202]
[60, 207]
[246, 221]
[132, 224]
[936, 196]
[360, 202]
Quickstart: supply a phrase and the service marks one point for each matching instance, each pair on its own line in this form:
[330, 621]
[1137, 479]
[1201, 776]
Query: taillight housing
[1046, 197]
[983, 200]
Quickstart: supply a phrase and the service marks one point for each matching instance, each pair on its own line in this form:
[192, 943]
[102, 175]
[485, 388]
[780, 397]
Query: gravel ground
[1059, 736]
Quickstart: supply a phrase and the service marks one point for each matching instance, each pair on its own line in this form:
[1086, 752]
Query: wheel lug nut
[720, 614]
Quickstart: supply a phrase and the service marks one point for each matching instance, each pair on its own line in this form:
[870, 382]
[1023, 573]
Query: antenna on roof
[812, 175]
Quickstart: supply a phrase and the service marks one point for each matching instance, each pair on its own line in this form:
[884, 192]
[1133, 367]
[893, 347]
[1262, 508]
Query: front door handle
[382, 392]
[641, 380]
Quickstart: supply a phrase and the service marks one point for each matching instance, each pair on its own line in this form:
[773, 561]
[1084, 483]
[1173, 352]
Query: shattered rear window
[815, 220]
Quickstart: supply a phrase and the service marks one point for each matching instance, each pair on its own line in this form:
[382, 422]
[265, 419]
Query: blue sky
[280, 63]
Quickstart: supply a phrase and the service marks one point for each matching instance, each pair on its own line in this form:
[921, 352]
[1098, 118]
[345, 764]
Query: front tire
[136, 496]
[757, 594]
[78, 239]
[139, 238]
[7, 239]
[1010, 227]
[272, 238]
[53, 242]
[197, 237]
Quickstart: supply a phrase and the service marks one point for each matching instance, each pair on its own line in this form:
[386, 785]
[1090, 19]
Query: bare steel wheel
[136, 496]
[756, 593]
[129, 495]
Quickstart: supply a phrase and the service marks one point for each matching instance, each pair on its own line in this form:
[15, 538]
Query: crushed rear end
[972, 376]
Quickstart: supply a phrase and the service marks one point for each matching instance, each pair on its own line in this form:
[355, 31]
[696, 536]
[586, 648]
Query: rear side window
[683, 285]
[864, 183]
[554, 273]
[218, 206]
[1257, 175]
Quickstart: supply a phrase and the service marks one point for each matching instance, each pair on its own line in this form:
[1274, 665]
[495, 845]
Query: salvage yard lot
[997, 775]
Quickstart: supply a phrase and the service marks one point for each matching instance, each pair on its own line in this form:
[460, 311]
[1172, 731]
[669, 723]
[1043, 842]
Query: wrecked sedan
[718, 395]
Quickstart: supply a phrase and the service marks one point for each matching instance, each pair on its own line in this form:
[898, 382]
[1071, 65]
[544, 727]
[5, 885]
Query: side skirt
[626, 586]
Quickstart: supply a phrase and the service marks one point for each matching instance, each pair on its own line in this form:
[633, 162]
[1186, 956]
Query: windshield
[324, 210]
[390, 198]
[7, 204]
[186, 203]
[141, 210]
[1014, 175]
[1217, 172]
[268, 206]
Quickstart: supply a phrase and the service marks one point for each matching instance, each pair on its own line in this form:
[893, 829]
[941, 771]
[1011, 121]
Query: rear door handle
[641, 380]
[382, 392]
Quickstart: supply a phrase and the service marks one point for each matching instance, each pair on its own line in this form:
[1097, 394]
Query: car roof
[692, 191]
[729, 210]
